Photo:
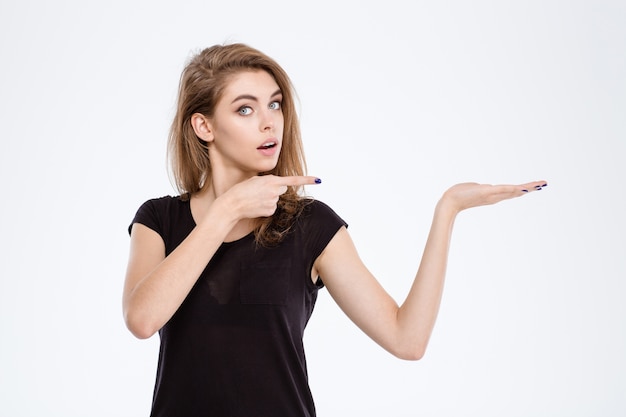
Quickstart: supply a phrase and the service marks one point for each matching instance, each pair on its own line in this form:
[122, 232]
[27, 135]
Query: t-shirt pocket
[265, 283]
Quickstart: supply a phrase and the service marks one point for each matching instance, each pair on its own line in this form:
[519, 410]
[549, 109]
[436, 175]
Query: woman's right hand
[258, 196]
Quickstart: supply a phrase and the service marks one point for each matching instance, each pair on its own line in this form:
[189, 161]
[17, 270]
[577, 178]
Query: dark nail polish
[318, 181]
[544, 185]
[525, 191]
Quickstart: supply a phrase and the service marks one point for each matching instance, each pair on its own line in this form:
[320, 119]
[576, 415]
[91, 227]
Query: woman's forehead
[258, 83]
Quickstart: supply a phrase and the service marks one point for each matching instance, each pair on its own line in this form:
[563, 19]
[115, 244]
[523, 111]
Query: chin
[266, 169]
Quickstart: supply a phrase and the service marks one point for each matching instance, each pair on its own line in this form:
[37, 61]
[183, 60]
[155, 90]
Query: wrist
[221, 213]
[446, 207]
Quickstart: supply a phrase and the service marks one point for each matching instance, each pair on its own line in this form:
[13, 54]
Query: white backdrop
[399, 100]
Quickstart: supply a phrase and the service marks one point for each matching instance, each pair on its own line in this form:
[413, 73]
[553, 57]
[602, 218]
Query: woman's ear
[202, 126]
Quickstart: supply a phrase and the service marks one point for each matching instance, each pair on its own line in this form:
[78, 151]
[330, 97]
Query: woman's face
[247, 126]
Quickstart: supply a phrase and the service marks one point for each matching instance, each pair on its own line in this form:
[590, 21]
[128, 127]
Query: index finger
[296, 180]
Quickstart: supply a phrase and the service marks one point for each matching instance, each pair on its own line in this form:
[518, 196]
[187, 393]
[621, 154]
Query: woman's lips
[268, 148]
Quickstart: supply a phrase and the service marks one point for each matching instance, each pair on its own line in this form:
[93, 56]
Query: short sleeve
[320, 225]
[148, 215]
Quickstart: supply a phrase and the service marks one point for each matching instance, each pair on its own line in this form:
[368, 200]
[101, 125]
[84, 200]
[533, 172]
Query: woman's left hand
[467, 195]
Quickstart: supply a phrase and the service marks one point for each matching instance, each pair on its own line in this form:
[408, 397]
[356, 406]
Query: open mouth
[268, 145]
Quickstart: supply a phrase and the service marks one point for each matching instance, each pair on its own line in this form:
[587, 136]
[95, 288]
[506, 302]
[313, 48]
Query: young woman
[228, 271]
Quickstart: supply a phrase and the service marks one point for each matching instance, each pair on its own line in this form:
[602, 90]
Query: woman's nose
[267, 121]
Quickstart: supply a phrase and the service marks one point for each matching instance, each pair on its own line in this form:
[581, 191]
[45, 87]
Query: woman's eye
[275, 105]
[245, 110]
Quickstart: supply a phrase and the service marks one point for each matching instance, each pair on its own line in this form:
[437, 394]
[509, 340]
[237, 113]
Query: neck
[220, 181]
[216, 185]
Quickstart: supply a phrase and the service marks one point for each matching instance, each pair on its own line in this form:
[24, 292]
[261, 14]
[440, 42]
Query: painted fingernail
[525, 191]
[538, 187]
[318, 181]
[544, 185]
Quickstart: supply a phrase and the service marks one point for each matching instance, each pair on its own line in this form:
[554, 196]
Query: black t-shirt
[234, 347]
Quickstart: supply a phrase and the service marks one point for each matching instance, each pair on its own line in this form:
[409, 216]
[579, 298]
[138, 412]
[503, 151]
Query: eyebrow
[251, 97]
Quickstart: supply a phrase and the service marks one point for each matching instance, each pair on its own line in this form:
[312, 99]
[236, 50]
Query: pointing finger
[296, 180]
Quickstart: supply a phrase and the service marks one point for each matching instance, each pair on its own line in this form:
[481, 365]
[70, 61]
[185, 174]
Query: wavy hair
[202, 84]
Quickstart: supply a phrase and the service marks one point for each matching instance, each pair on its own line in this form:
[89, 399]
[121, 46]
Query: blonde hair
[202, 84]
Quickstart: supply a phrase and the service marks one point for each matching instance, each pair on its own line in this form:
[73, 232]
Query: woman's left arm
[405, 330]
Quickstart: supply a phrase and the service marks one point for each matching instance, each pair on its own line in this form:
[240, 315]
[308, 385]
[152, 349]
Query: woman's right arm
[157, 285]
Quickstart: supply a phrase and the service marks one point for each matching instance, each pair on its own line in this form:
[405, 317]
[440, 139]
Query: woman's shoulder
[318, 212]
[317, 225]
[164, 202]
[157, 212]
[165, 199]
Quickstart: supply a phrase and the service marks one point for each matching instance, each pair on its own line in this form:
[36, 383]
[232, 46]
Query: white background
[399, 100]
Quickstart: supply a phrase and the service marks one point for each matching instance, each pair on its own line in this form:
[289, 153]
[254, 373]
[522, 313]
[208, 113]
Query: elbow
[410, 351]
[141, 333]
[414, 354]
[139, 327]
